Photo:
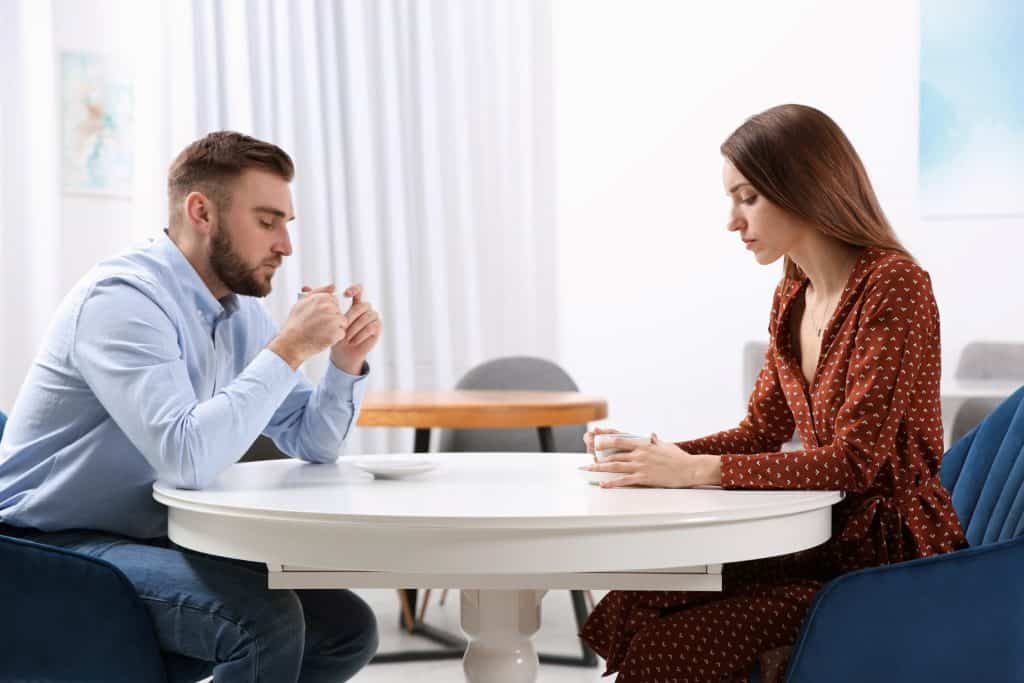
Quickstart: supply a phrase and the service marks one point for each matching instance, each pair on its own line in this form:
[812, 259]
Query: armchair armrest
[70, 617]
[952, 617]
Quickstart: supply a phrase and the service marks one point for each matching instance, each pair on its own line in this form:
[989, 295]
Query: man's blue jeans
[216, 615]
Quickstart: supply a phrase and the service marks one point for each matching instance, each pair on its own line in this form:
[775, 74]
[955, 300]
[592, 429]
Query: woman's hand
[659, 464]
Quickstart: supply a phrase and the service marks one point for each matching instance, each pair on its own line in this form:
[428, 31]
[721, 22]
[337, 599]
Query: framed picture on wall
[97, 122]
[971, 138]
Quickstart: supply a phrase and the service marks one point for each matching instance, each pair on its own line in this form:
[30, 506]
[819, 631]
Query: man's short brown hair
[210, 164]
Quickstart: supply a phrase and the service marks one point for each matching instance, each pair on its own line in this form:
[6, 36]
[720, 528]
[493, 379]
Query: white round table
[503, 528]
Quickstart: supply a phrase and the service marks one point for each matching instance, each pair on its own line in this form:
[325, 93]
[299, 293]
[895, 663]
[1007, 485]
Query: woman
[853, 366]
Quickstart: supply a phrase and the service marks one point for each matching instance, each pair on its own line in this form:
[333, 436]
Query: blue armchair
[953, 617]
[70, 617]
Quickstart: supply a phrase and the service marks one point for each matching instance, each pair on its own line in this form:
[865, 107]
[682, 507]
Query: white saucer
[596, 478]
[394, 468]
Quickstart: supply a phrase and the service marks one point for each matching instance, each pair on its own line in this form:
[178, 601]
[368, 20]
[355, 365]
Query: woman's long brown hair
[799, 159]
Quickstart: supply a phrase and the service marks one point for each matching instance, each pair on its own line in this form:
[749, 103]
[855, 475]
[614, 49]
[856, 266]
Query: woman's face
[765, 228]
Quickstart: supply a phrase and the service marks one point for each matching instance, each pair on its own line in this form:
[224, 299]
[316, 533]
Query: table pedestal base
[500, 625]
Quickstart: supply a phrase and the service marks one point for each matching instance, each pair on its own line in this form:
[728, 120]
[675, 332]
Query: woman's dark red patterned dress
[871, 426]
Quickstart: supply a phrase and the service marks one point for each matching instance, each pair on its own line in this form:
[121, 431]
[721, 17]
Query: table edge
[165, 496]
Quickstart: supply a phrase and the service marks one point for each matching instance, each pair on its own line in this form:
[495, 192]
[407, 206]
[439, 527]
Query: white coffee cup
[602, 449]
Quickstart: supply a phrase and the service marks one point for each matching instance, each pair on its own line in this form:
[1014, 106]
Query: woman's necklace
[824, 317]
[818, 324]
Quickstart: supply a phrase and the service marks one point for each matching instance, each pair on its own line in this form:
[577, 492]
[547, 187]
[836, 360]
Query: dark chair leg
[579, 606]
[411, 595]
[547, 439]
[586, 658]
[421, 442]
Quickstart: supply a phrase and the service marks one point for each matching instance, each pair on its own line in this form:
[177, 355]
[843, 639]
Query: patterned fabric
[871, 426]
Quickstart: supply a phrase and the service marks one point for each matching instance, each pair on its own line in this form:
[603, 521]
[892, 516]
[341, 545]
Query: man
[161, 364]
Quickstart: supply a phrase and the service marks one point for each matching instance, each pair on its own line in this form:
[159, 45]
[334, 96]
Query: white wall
[656, 297]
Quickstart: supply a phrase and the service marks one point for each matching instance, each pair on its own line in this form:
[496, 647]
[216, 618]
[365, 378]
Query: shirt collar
[861, 267]
[206, 305]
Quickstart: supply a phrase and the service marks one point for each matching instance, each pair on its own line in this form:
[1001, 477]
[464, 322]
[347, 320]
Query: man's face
[250, 239]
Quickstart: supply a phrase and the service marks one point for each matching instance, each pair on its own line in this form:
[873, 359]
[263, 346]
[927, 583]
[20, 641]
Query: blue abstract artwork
[97, 120]
[972, 108]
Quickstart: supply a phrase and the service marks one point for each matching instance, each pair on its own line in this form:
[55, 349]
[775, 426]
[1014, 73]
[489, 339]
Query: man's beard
[231, 269]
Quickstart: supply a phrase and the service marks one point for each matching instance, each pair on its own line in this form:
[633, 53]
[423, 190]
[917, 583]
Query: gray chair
[753, 360]
[523, 373]
[754, 353]
[985, 361]
[998, 361]
[514, 373]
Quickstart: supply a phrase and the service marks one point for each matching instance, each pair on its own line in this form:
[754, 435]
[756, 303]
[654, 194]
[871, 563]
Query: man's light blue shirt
[144, 375]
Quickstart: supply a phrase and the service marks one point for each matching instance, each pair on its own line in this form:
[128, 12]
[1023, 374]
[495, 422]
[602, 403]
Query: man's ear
[199, 212]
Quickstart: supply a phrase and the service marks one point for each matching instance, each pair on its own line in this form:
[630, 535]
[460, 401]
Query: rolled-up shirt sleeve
[313, 420]
[133, 363]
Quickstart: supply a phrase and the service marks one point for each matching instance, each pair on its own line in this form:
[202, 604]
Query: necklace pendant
[819, 332]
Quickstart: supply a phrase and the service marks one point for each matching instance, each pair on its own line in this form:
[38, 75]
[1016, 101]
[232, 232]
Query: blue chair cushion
[953, 617]
[70, 617]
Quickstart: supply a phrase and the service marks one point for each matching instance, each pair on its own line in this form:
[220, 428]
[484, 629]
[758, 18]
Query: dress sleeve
[898, 327]
[769, 422]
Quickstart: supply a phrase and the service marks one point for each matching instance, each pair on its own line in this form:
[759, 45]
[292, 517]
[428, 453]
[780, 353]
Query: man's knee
[276, 619]
[344, 630]
[366, 637]
[281, 608]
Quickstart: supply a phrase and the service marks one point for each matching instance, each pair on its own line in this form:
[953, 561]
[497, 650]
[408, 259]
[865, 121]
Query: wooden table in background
[479, 409]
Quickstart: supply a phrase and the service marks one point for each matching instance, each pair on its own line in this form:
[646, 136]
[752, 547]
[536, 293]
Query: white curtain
[30, 212]
[422, 136]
